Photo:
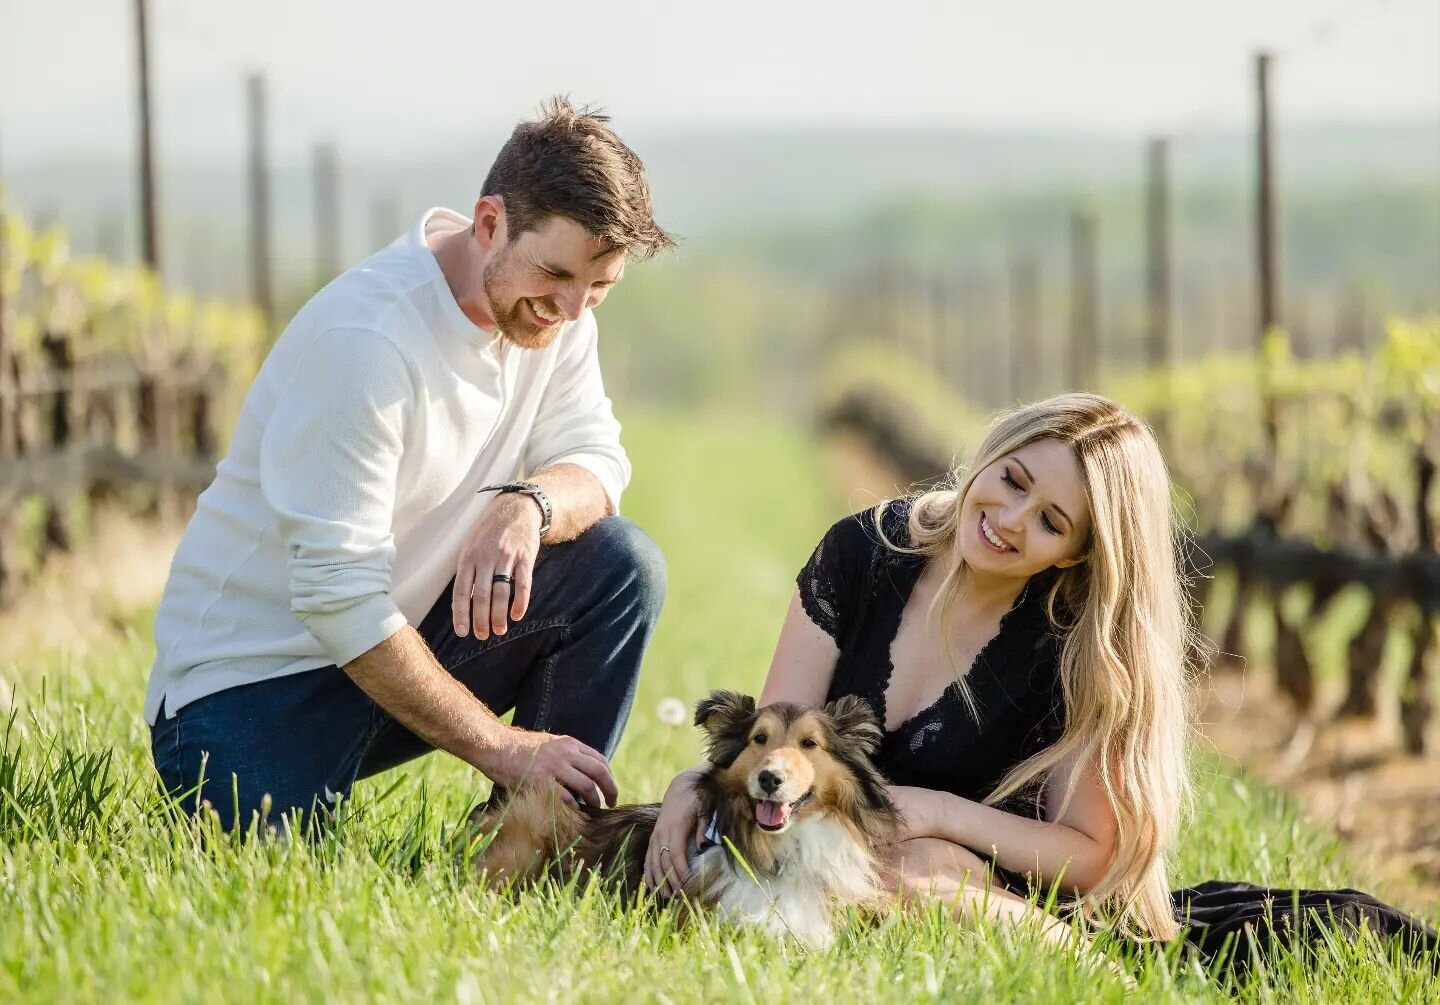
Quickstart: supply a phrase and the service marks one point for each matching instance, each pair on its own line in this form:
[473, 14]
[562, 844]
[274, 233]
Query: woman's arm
[804, 660]
[1081, 842]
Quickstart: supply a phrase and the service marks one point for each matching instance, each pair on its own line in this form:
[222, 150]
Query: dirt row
[1348, 775]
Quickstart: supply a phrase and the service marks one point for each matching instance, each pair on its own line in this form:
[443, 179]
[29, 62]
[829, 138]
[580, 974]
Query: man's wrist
[522, 509]
[487, 745]
[542, 513]
[537, 495]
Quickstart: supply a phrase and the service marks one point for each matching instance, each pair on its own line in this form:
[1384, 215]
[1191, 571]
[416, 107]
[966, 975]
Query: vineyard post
[1417, 693]
[1084, 302]
[937, 294]
[931, 310]
[7, 392]
[1353, 334]
[1266, 257]
[885, 301]
[1266, 250]
[1268, 515]
[1417, 705]
[259, 202]
[385, 220]
[147, 424]
[327, 213]
[149, 232]
[1160, 347]
[202, 427]
[991, 328]
[957, 310]
[60, 357]
[100, 420]
[167, 429]
[914, 317]
[974, 333]
[7, 420]
[1026, 359]
[871, 314]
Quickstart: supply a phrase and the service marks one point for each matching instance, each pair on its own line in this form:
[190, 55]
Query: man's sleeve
[329, 464]
[576, 424]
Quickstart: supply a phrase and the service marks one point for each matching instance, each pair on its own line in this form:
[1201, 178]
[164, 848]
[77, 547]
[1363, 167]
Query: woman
[1023, 634]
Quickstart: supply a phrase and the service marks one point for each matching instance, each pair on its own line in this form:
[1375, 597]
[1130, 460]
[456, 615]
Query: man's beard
[514, 323]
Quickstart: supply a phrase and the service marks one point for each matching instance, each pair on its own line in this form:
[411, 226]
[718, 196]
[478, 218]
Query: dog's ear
[720, 708]
[855, 738]
[725, 716]
[854, 720]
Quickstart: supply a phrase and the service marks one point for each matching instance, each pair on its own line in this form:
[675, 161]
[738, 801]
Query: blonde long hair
[1129, 642]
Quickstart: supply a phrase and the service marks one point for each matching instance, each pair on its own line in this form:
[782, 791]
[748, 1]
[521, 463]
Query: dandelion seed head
[671, 711]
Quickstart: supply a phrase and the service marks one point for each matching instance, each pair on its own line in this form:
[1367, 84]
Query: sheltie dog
[798, 818]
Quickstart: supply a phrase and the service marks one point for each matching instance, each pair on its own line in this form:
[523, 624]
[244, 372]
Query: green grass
[102, 899]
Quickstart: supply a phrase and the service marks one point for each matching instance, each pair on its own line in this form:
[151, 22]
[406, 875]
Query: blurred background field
[895, 221]
[105, 900]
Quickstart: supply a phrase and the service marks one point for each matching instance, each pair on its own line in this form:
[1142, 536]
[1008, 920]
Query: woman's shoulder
[853, 543]
[872, 530]
[842, 569]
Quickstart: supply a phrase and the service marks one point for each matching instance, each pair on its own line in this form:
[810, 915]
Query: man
[307, 636]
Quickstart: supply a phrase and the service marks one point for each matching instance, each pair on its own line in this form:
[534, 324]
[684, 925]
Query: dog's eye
[760, 738]
[809, 743]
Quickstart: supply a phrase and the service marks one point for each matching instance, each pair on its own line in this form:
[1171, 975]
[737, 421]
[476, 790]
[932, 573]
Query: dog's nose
[769, 781]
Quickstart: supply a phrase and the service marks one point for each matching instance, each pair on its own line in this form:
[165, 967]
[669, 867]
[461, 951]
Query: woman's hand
[665, 867]
[915, 806]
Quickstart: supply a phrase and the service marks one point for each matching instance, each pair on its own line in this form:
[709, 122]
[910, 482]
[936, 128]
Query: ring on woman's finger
[664, 850]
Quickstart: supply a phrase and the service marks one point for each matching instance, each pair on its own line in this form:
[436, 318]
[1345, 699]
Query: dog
[799, 818]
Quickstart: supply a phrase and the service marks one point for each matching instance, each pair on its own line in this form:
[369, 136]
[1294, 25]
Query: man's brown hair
[570, 163]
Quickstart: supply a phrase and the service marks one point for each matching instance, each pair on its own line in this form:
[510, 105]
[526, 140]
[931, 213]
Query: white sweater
[338, 513]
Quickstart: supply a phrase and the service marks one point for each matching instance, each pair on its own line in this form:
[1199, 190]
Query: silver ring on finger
[500, 577]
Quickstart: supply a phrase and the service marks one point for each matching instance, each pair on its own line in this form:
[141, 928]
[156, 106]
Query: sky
[382, 77]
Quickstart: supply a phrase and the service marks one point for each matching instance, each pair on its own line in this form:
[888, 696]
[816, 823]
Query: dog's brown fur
[822, 758]
[536, 832]
[742, 742]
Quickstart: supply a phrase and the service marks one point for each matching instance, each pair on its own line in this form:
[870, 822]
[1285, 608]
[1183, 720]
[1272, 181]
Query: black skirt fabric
[1234, 924]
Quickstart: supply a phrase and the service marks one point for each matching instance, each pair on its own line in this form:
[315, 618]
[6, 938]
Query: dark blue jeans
[569, 667]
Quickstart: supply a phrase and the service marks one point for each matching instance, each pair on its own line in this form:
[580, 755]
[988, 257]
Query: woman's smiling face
[1026, 512]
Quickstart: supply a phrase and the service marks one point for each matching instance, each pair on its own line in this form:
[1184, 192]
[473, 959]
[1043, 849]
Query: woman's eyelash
[1044, 519]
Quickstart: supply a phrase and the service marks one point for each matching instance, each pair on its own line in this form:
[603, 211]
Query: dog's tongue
[770, 813]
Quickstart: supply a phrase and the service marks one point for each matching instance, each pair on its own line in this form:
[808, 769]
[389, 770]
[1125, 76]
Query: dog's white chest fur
[817, 863]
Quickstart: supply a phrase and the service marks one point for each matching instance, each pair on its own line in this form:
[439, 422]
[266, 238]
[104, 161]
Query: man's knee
[629, 558]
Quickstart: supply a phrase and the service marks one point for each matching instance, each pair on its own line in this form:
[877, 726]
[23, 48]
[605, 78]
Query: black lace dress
[855, 588]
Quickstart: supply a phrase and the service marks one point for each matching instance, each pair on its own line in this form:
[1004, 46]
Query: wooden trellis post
[7, 421]
[1417, 694]
[1084, 303]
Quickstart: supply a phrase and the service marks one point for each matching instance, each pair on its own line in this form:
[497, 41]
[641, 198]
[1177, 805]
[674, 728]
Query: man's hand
[402, 677]
[503, 542]
[532, 757]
